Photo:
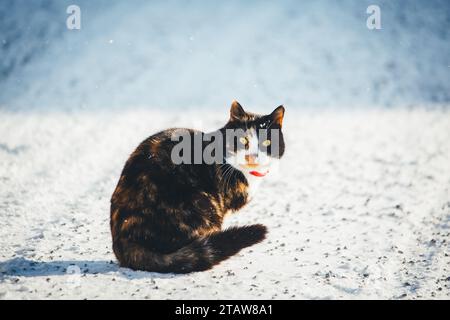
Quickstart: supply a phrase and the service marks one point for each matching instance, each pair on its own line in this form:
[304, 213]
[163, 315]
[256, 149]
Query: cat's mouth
[258, 173]
[256, 170]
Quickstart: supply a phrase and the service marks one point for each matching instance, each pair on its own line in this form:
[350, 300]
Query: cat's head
[257, 142]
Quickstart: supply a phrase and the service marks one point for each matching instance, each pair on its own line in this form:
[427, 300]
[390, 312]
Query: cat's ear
[236, 111]
[277, 115]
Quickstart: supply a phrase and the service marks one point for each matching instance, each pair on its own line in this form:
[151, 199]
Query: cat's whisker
[221, 167]
[230, 176]
[225, 175]
[270, 124]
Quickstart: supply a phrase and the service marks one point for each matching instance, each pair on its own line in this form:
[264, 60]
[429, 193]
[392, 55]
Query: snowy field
[359, 209]
[190, 54]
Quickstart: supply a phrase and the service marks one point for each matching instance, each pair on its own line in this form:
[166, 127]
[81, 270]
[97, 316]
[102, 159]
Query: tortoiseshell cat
[167, 217]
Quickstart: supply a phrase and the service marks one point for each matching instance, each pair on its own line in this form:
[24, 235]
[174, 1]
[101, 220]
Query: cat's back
[159, 146]
[152, 169]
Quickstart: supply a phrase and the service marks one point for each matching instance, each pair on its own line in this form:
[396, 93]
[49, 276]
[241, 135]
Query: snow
[360, 208]
[191, 54]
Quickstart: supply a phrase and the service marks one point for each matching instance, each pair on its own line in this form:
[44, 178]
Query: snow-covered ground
[359, 209]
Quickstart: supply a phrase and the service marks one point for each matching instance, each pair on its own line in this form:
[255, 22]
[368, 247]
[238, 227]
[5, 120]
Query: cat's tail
[201, 254]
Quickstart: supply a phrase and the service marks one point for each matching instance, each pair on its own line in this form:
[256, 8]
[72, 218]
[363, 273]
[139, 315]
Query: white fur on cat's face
[252, 158]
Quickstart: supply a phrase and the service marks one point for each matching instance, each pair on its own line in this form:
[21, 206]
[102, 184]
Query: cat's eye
[243, 140]
[266, 143]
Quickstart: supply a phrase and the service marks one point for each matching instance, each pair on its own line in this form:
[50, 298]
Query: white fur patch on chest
[253, 185]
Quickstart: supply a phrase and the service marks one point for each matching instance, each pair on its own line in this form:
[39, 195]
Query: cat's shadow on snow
[21, 267]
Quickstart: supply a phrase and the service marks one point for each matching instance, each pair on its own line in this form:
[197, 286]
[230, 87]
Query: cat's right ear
[277, 115]
[236, 111]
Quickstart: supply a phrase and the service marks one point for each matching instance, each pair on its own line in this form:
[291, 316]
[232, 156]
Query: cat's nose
[251, 159]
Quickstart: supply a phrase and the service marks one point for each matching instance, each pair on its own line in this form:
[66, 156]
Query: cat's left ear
[236, 111]
[277, 115]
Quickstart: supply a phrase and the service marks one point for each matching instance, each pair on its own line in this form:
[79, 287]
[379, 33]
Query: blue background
[188, 54]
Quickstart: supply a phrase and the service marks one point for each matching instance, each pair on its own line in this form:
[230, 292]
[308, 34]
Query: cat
[167, 217]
